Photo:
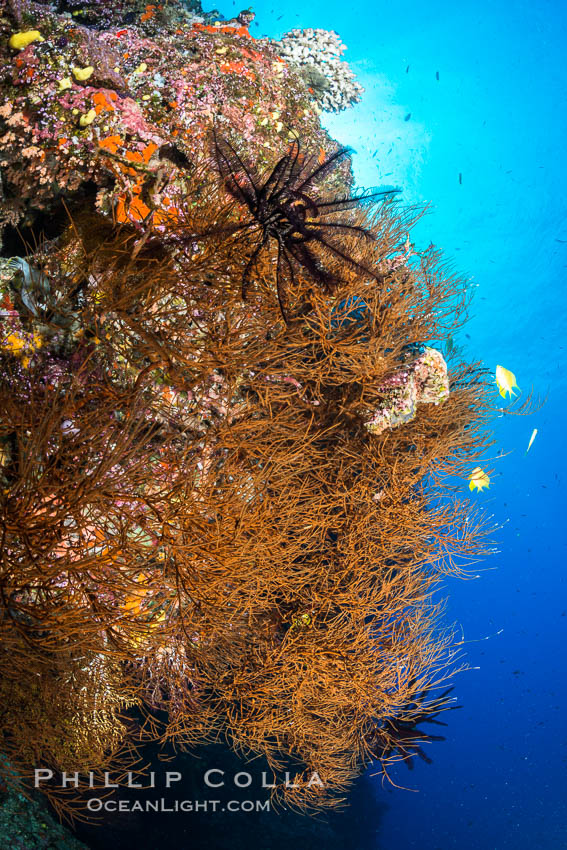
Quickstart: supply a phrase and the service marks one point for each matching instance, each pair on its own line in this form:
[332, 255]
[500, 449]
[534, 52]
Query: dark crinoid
[403, 738]
[287, 206]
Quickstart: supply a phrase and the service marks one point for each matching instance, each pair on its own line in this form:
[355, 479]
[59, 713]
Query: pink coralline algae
[161, 74]
[424, 381]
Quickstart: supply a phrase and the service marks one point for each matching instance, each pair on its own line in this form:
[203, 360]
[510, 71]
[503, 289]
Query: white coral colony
[317, 52]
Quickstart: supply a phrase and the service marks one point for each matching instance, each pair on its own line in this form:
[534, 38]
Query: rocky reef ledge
[109, 103]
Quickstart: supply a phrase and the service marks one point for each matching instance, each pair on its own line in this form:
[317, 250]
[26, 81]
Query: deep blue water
[497, 115]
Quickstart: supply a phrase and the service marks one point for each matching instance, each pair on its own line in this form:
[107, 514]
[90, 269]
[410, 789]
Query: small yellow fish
[301, 621]
[478, 480]
[506, 381]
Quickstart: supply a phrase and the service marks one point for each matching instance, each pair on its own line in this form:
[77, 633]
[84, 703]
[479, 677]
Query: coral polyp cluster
[317, 53]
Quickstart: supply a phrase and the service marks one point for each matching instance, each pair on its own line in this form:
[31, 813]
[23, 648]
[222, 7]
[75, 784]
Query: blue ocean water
[496, 116]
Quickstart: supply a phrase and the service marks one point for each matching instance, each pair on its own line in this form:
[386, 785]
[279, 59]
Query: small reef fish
[506, 381]
[478, 480]
[460, 178]
[532, 438]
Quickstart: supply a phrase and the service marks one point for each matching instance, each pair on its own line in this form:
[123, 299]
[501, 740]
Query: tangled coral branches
[190, 491]
[67, 709]
[403, 738]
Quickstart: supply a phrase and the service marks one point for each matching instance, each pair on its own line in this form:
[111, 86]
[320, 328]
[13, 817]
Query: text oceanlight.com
[95, 804]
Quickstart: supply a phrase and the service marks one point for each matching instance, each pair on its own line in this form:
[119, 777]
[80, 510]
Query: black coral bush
[228, 515]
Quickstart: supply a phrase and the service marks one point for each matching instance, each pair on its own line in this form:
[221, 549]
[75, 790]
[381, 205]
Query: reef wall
[228, 432]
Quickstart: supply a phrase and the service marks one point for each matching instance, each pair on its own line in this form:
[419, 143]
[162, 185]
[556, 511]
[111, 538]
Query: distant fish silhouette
[408, 116]
[460, 179]
[437, 75]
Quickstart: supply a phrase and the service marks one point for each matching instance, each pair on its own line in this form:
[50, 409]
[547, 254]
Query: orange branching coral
[192, 498]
